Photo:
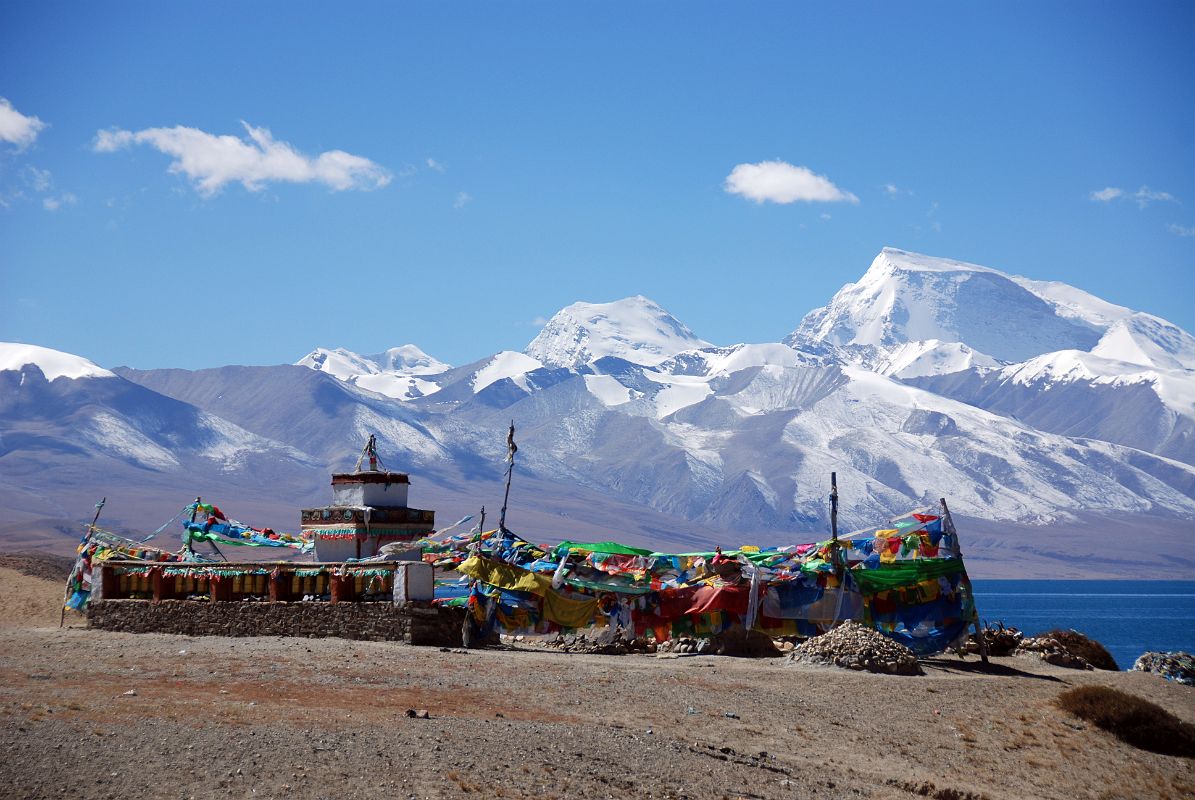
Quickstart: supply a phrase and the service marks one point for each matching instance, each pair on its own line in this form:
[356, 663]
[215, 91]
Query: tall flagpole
[834, 506]
[511, 448]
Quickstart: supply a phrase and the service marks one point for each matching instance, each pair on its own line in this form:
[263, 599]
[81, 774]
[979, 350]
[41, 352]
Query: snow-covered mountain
[634, 329]
[911, 298]
[907, 297]
[66, 402]
[1039, 351]
[401, 372]
[72, 432]
[51, 364]
[1020, 400]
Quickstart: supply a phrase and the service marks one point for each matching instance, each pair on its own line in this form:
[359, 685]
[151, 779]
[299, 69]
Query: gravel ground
[39, 565]
[276, 717]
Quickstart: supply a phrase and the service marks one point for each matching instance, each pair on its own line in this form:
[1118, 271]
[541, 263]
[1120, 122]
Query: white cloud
[16, 128]
[436, 165]
[1181, 230]
[824, 215]
[212, 161]
[539, 322]
[781, 182]
[461, 199]
[39, 180]
[55, 203]
[1142, 197]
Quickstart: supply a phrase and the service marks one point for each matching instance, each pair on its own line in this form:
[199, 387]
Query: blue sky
[507, 159]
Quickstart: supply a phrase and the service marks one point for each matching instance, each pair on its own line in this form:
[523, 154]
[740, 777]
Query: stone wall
[413, 622]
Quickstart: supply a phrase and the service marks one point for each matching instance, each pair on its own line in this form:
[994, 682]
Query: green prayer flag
[608, 548]
[904, 573]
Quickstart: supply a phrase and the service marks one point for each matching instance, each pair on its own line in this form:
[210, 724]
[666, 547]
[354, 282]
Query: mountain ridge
[739, 437]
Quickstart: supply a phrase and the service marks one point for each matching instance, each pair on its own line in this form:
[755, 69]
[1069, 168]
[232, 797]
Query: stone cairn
[1177, 666]
[857, 647]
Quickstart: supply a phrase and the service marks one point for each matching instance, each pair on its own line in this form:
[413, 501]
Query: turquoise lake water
[1127, 617]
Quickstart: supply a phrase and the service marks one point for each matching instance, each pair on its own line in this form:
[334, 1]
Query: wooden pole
[834, 505]
[512, 448]
[834, 519]
[835, 557]
[948, 527]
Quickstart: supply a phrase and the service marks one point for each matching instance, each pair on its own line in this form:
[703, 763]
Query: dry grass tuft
[1085, 647]
[1132, 720]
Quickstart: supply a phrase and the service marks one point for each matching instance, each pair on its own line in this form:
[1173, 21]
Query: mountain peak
[893, 259]
[909, 297]
[403, 372]
[635, 328]
[405, 359]
[53, 363]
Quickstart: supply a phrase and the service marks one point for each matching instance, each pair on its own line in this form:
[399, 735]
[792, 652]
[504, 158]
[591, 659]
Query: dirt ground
[93, 714]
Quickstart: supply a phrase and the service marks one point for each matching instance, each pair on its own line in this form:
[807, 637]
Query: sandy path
[278, 717]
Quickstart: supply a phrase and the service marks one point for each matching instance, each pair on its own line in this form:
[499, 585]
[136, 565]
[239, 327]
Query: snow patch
[121, 439]
[932, 357]
[680, 391]
[398, 387]
[507, 364]
[1149, 340]
[607, 390]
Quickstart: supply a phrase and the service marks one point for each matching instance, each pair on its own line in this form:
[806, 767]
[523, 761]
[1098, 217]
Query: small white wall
[379, 495]
[414, 580]
[342, 549]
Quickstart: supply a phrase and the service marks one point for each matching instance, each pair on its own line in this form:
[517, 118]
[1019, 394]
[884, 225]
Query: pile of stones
[1051, 651]
[685, 644]
[1177, 666]
[858, 647]
[607, 643]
